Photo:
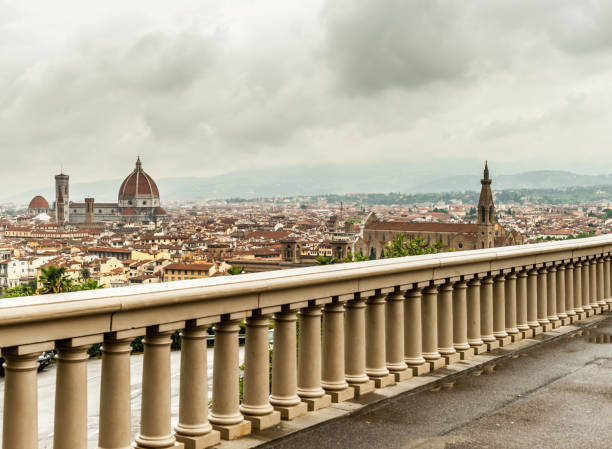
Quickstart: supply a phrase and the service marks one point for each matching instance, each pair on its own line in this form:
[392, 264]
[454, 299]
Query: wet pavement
[555, 395]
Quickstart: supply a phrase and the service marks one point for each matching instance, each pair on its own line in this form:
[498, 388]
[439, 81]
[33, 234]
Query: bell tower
[486, 212]
[62, 199]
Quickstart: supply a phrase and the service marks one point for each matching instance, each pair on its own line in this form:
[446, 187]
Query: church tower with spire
[486, 212]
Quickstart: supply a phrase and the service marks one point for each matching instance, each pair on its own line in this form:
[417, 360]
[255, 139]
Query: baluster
[355, 351]
[510, 306]
[256, 405]
[445, 324]
[413, 334]
[578, 289]
[460, 338]
[309, 359]
[486, 313]
[284, 396]
[155, 430]
[473, 316]
[569, 291]
[115, 400]
[561, 294]
[586, 287]
[332, 376]
[20, 413]
[532, 300]
[429, 320]
[608, 280]
[521, 303]
[225, 413]
[593, 285]
[551, 296]
[376, 367]
[193, 428]
[499, 310]
[70, 425]
[542, 299]
[394, 336]
[601, 296]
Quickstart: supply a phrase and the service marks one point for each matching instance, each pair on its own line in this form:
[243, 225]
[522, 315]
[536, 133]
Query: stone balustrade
[362, 326]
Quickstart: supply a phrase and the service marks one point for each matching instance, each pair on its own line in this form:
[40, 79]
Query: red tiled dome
[138, 183]
[128, 211]
[38, 202]
[159, 211]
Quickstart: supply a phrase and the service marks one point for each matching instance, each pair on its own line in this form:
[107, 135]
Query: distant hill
[297, 181]
[542, 179]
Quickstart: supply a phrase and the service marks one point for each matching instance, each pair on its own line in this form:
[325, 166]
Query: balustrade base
[565, 321]
[315, 404]
[292, 412]
[528, 333]
[491, 345]
[385, 381]
[555, 324]
[451, 358]
[262, 422]
[419, 370]
[437, 364]
[516, 337]
[504, 341]
[480, 349]
[363, 388]
[176, 445]
[201, 442]
[545, 328]
[597, 309]
[401, 376]
[341, 395]
[233, 431]
[466, 354]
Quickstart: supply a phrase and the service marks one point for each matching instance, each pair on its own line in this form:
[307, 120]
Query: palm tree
[54, 280]
[322, 260]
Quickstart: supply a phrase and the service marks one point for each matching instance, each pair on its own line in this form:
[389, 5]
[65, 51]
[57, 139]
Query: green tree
[401, 247]
[90, 284]
[85, 273]
[54, 280]
[234, 271]
[322, 260]
[356, 257]
[19, 290]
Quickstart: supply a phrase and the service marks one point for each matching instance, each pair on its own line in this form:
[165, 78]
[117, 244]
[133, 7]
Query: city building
[138, 201]
[376, 234]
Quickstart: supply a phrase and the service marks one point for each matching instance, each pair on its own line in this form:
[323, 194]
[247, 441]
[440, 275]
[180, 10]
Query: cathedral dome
[38, 202]
[138, 189]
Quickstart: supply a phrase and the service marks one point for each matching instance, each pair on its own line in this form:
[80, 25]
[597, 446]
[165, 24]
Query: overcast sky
[207, 87]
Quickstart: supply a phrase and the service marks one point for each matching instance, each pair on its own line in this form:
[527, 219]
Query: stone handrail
[382, 321]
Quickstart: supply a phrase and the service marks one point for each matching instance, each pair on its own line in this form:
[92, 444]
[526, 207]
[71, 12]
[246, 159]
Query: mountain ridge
[323, 180]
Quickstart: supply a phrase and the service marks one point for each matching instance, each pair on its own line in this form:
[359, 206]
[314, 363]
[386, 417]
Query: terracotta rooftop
[422, 227]
[38, 202]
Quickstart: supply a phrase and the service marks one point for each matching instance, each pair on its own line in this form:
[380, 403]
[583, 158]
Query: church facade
[138, 201]
[375, 233]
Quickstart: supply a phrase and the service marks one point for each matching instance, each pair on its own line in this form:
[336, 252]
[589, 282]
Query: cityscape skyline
[201, 91]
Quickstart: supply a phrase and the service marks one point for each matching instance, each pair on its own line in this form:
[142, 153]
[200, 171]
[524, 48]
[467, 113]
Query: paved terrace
[369, 327]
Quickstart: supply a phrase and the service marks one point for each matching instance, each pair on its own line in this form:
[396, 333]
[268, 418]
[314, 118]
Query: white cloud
[202, 88]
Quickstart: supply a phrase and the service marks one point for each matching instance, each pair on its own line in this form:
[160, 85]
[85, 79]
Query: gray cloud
[203, 88]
